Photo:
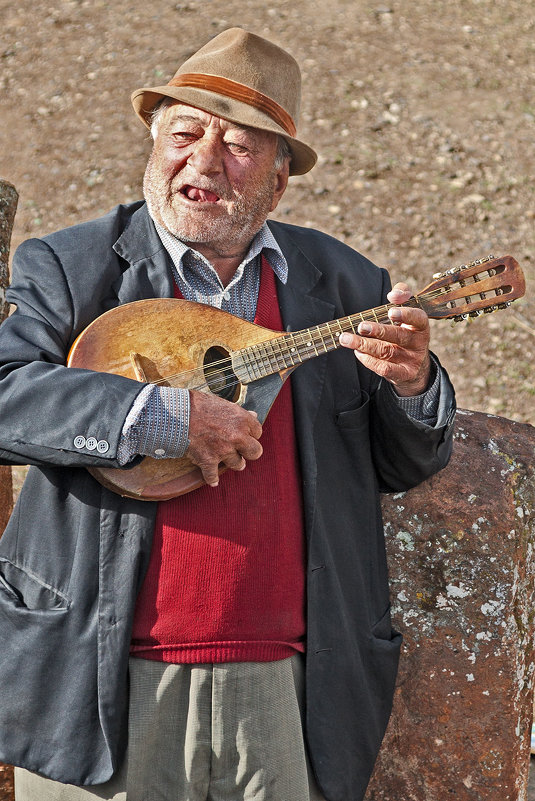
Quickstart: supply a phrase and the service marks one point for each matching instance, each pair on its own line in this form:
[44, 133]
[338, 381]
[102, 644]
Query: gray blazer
[73, 556]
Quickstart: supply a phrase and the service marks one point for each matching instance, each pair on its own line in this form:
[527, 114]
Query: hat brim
[144, 101]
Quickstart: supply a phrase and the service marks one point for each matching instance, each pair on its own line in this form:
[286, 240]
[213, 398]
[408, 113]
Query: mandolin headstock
[483, 286]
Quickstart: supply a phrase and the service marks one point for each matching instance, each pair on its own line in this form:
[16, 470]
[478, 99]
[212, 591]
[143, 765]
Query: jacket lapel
[302, 306]
[149, 273]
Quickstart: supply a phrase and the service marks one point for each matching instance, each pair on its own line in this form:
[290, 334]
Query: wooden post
[8, 206]
[461, 550]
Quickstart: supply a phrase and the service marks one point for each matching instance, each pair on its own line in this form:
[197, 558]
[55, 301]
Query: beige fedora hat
[244, 79]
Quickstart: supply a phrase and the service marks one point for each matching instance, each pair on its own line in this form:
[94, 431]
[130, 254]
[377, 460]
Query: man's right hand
[221, 432]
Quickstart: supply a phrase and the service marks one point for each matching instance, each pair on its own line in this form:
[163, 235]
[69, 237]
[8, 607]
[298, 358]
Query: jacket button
[91, 443]
[103, 446]
[79, 441]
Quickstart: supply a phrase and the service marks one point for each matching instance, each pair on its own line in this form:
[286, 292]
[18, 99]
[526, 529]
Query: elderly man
[234, 642]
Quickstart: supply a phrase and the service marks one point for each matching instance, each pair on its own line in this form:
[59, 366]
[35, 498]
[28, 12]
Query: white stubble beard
[223, 232]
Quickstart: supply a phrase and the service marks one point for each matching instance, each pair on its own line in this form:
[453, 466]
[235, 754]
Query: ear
[280, 182]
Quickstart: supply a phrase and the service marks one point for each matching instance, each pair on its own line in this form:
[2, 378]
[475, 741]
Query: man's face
[211, 182]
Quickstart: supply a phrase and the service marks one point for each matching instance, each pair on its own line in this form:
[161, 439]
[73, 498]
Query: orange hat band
[238, 91]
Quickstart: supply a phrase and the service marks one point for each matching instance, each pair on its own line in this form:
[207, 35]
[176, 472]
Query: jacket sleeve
[49, 413]
[405, 450]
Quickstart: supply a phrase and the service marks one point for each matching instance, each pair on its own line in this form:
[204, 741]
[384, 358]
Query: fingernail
[395, 314]
[365, 329]
[345, 339]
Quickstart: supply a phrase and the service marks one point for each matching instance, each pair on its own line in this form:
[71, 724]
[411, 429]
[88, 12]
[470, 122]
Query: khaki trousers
[221, 732]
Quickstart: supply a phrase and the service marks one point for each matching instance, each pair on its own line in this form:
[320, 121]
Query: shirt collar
[263, 242]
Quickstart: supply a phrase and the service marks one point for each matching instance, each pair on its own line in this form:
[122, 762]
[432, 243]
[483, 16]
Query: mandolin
[180, 343]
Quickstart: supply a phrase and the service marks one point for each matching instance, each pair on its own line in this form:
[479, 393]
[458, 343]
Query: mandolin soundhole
[219, 375]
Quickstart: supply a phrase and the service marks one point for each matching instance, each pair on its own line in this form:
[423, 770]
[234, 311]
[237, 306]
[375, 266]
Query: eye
[237, 149]
[183, 137]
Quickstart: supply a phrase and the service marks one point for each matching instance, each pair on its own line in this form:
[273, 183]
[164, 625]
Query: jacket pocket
[24, 590]
[382, 629]
[355, 418]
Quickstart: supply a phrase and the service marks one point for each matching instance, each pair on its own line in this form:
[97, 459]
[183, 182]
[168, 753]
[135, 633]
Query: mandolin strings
[292, 348]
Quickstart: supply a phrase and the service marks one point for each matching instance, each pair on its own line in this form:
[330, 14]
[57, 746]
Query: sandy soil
[422, 114]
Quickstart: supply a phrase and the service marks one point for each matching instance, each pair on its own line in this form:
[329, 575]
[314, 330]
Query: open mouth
[199, 195]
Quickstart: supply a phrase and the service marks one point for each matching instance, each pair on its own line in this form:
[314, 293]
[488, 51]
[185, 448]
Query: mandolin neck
[289, 350]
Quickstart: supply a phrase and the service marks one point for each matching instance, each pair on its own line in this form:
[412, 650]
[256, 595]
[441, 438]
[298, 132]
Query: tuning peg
[477, 262]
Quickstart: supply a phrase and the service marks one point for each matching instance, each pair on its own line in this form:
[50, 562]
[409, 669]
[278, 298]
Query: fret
[259, 360]
[384, 313]
[293, 352]
[266, 368]
[350, 320]
[266, 362]
[334, 341]
[310, 343]
[341, 328]
[303, 344]
[239, 366]
[279, 355]
[320, 339]
[253, 367]
[275, 355]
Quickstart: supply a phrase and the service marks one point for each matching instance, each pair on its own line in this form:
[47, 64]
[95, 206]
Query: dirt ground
[423, 116]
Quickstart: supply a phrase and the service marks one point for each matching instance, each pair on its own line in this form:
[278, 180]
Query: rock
[462, 572]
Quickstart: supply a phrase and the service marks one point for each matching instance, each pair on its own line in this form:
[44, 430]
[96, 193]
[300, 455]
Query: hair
[283, 148]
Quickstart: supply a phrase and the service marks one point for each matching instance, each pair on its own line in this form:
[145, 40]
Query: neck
[225, 264]
[226, 267]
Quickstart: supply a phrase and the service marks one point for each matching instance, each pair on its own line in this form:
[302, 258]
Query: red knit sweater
[226, 578]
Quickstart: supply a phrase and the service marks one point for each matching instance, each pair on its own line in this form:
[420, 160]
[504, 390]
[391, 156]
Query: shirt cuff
[157, 425]
[424, 407]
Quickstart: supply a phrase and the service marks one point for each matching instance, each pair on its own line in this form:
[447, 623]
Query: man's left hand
[399, 353]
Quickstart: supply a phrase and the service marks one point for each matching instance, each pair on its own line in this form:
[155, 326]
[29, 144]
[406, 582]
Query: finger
[409, 316]
[400, 293]
[402, 374]
[406, 335]
[210, 473]
[383, 367]
[255, 427]
[251, 449]
[377, 349]
[234, 461]
[402, 345]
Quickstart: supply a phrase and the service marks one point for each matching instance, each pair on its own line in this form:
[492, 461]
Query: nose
[207, 156]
